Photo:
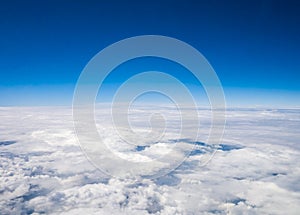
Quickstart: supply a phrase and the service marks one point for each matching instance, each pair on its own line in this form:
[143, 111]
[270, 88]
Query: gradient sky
[254, 46]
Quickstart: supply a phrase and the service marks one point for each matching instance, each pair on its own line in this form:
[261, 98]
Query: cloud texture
[254, 171]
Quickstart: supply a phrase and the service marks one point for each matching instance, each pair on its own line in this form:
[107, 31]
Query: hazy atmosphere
[252, 45]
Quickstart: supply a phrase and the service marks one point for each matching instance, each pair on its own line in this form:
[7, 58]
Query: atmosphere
[253, 46]
[149, 107]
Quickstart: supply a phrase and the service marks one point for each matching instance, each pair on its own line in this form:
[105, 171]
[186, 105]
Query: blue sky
[253, 46]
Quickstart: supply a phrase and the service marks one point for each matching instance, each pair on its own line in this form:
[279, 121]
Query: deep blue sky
[254, 46]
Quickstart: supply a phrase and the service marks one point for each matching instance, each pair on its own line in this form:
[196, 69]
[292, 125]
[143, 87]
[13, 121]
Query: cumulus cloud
[254, 171]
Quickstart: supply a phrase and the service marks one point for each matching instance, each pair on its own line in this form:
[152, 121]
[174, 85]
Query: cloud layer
[254, 171]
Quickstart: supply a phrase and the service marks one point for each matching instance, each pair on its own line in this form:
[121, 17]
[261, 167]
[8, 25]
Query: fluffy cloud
[254, 171]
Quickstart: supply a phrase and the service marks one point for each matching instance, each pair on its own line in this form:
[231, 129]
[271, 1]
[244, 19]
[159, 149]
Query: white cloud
[255, 171]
